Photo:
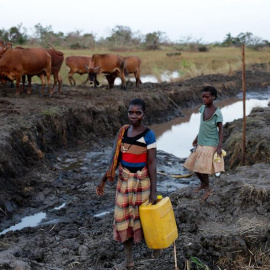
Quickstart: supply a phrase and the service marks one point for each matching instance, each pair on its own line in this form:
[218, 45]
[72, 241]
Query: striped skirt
[131, 191]
[201, 161]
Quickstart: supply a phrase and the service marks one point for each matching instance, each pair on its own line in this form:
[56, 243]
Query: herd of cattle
[18, 63]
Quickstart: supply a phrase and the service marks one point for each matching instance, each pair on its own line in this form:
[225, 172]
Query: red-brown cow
[107, 64]
[57, 59]
[77, 64]
[2, 46]
[133, 65]
[15, 63]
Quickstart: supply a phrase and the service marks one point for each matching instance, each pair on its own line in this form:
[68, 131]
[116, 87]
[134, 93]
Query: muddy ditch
[53, 152]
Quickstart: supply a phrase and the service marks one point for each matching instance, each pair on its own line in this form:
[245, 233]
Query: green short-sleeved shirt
[208, 132]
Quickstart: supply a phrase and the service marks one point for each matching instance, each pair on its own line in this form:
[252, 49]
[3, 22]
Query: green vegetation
[122, 38]
[52, 111]
[198, 264]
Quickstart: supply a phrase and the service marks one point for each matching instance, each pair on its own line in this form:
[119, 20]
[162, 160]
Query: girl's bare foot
[123, 265]
[198, 189]
[206, 194]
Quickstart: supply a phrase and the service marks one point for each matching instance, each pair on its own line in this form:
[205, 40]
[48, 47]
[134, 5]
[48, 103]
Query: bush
[75, 46]
[203, 49]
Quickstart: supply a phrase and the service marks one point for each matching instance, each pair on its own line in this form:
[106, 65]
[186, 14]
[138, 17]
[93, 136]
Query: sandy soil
[53, 152]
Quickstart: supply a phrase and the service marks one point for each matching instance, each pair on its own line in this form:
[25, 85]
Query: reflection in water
[176, 136]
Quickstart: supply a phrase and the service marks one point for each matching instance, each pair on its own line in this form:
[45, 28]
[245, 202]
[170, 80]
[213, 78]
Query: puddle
[29, 221]
[166, 76]
[103, 213]
[32, 221]
[167, 186]
[176, 136]
[61, 206]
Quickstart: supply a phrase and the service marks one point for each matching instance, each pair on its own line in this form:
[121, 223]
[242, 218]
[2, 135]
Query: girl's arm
[152, 170]
[220, 138]
[195, 142]
[101, 185]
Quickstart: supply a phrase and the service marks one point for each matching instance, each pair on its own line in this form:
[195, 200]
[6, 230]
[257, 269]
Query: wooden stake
[187, 265]
[175, 259]
[244, 107]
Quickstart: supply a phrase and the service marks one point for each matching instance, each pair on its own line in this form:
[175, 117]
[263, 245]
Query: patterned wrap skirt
[131, 191]
[201, 161]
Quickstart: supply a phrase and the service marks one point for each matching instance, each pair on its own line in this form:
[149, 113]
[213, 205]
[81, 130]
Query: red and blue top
[134, 150]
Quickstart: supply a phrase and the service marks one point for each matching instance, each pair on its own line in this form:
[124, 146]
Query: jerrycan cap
[159, 198]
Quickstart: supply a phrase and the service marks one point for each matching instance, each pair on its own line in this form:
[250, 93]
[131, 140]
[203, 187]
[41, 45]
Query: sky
[205, 20]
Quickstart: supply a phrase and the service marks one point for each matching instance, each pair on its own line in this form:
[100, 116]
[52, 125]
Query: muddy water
[81, 163]
[176, 137]
[29, 221]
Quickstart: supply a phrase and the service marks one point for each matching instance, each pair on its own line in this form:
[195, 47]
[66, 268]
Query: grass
[52, 111]
[199, 265]
[253, 193]
[189, 64]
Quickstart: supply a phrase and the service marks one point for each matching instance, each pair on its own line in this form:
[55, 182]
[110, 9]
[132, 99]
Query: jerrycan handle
[159, 198]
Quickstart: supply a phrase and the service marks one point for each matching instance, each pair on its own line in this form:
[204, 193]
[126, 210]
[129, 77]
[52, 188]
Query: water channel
[174, 137]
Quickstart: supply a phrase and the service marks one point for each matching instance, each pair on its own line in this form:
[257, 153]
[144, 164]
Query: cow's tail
[58, 52]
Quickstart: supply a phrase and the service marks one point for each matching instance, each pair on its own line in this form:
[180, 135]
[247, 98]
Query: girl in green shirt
[207, 142]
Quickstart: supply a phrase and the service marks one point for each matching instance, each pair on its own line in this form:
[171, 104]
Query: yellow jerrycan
[158, 223]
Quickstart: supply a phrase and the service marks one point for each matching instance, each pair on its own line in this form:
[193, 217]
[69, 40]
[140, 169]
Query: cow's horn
[87, 67]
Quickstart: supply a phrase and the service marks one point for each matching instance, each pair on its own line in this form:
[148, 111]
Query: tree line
[121, 38]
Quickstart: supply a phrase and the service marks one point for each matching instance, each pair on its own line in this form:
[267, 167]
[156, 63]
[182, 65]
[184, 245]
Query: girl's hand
[100, 188]
[153, 198]
[219, 151]
[101, 185]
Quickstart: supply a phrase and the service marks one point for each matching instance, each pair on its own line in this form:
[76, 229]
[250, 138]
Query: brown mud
[53, 152]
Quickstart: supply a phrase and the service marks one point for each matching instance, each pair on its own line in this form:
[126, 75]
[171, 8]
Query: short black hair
[212, 90]
[138, 101]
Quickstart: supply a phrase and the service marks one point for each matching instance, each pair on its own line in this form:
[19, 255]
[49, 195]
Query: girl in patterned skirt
[134, 154]
[207, 142]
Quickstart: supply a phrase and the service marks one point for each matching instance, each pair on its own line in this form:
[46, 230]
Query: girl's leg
[128, 262]
[128, 247]
[202, 186]
[207, 190]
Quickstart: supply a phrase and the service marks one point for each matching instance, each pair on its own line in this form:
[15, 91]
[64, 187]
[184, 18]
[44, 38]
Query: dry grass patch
[252, 228]
[252, 193]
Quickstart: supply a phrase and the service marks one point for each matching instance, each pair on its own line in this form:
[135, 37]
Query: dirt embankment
[257, 139]
[225, 229]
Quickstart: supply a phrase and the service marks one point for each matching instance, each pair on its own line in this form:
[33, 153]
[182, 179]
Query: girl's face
[207, 98]
[135, 115]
